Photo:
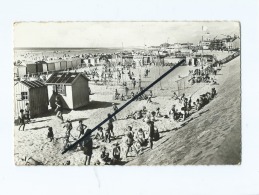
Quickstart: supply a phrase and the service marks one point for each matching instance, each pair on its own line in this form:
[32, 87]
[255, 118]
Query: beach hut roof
[33, 84]
[64, 78]
[41, 62]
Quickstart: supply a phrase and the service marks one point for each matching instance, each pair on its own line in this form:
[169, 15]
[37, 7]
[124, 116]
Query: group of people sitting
[204, 99]
[187, 105]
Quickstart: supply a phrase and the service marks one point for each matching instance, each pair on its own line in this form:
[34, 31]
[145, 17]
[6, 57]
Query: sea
[30, 54]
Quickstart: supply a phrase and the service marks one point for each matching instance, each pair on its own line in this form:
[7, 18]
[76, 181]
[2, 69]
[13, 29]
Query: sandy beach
[180, 143]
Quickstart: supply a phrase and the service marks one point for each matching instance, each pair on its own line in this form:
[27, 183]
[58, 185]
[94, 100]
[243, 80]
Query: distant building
[204, 44]
[232, 43]
[217, 44]
[73, 88]
[33, 92]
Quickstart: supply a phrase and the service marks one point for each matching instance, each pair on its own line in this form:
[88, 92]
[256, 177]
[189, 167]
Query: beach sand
[207, 137]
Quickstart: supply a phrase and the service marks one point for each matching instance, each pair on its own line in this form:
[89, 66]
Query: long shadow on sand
[36, 128]
[97, 104]
[168, 130]
[78, 119]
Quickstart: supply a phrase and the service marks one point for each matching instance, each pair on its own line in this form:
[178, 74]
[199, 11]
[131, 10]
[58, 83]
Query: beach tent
[72, 88]
[63, 65]
[33, 92]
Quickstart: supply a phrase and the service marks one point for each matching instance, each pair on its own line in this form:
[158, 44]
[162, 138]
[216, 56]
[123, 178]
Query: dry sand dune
[210, 136]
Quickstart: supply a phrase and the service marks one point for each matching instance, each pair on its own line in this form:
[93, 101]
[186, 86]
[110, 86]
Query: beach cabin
[20, 70]
[41, 66]
[31, 68]
[57, 66]
[63, 65]
[78, 62]
[33, 92]
[72, 88]
[69, 63]
[74, 63]
[91, 61]
[51, 66]
[171, 60]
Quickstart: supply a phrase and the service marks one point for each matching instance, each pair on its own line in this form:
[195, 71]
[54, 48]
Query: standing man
[27, 112]
[88, 147]
[59, 108]
[81, 128]
[151, 130]
[114, 108]
[139, 84]
[110, 125]
[21, 119]
[68, 126]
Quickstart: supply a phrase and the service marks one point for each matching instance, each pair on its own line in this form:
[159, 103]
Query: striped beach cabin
[33, 92]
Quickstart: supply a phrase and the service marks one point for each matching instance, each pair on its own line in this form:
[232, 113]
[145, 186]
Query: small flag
[204, 28]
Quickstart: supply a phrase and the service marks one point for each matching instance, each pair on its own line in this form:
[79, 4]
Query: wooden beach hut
[78, 62]
[63, 65]
[20, 70]
[57, 65]
[33, 92]
[72, 88]
[41, 66]
[74, 63]
[69, 63]
[31, 68]
[51, 66]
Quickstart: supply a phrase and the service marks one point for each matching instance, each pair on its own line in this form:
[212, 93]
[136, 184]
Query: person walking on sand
[59, 108]
[21, 119]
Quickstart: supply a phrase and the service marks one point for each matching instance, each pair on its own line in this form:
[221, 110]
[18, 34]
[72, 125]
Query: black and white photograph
[127, 93]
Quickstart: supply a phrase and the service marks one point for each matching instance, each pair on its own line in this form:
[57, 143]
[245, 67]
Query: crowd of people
[134, 140]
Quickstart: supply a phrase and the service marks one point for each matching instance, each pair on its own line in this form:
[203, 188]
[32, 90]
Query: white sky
[112, 34]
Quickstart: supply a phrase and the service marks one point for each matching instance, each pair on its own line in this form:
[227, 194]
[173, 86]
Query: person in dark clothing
[27, 112]
[21, 119]
[50, 135]
[114, 108]
[116, 151]
[110, 125]
[59, 108]
[107, 134]
[128, 141]
[88, 147]
[151, 130]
